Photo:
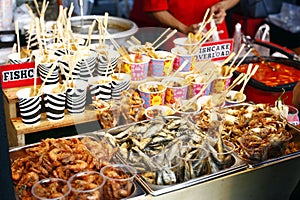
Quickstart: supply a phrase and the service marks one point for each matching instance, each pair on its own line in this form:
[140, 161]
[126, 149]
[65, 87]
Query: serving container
[18, 152]
[114, 134]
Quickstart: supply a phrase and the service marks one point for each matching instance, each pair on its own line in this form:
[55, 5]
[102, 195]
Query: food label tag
[218, 50]
[16, 75]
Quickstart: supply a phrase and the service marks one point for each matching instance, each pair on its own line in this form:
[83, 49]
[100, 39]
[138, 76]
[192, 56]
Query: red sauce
[283, 74]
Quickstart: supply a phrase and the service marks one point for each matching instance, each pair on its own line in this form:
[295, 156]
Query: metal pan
[17, 152]
[156, 190]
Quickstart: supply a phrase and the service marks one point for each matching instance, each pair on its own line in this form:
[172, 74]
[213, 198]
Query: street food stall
[174, 116]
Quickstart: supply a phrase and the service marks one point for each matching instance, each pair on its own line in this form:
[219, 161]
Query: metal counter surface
[269, 182]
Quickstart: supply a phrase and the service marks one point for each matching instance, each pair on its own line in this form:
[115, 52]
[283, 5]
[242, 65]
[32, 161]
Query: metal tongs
[249, 45]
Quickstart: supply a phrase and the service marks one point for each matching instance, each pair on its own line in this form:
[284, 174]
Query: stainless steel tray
[17, 152]
[296, 139]
[294, 130]
[156, 190]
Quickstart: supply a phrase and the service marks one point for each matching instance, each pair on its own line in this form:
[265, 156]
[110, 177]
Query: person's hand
[296, 95]
[190, 29]
[219, 12]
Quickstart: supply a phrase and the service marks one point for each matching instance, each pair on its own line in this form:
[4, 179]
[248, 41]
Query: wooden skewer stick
[248, 78]
[237, 81]
[175, 73]
[18, 37]
[168, 37]
[135, 40]
[202, 25]
[105, 27]
[88, 42]
[189, 102]
[227, 59]
[237, 55]
[198, 45]
[48, 74]
[165, 32]
[37, 7]
[240, 62]
[130, 43]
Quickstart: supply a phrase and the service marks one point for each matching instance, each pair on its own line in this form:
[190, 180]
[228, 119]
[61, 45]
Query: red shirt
[187, 11]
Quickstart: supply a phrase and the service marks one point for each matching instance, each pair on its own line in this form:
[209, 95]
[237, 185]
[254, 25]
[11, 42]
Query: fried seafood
[131, 106]
[119, 181]
[52, 158]
[256, 132]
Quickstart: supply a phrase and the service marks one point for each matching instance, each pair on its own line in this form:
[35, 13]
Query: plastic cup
[254, 148]
[164, 169]
[163, 65]
[55, 102]
[76, 97]
[51, 189]
[293, 116]
[119, 181]
[176, 89]
[152, 92]
[30, 106]
[222, 159]
[220, 84]
[87, 185]
[138, 71]
[158, 111]
[193, 162]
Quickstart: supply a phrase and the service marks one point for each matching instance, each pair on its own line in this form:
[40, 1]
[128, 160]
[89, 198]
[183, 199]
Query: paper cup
[100, 88]
[220, 84]
[87, 64]
[153, 93]
[183, 43]
[196, 86]
[137, 71]
[118, 176]
[64, 65]
[43, 70]
[30, 106]
[181, 58]
[120, 82]
[162, 66]
[139, 49]
[176, 89]
[58, 48]
[76, 97]
[106, 62]
[14, 58]
[55, 102]
[87, 185]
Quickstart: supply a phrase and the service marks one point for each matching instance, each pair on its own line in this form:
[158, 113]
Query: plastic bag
[260, 8]
[288, 18]
[263, 34]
